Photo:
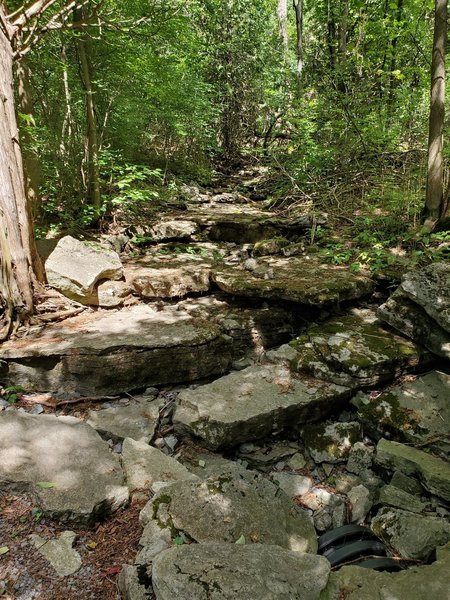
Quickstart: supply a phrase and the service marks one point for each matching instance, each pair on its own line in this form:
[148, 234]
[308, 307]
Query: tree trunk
[434, 202]
[298, 7]
[282, 25]
[83, 45]
[343, 26]
[16, 273]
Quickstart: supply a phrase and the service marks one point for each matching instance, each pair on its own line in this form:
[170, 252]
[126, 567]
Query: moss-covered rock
[331, 442]
[356, 350]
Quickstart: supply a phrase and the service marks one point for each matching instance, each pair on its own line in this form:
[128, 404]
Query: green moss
[387, 411]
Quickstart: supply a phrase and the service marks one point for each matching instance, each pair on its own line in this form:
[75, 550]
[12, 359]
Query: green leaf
[4, 550]
[241, 540]
[202, 463]
[178, 541]
[46, 485]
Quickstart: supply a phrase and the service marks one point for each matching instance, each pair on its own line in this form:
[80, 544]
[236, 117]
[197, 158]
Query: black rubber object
[380, 564]
[348, 552]
[342, 535]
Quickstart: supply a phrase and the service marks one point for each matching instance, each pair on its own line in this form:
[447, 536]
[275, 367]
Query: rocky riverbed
[192, 418]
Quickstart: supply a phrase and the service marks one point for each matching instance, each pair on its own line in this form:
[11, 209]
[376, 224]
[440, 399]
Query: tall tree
[434, 202]
[298, 7]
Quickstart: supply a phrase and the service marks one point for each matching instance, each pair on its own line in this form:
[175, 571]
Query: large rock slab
[294, 279]
[74, 267]
[415, 583]
[229, 508]
[173, 229]
[412, 320]
[417, 411]
[113, 352]
[355, 350]
[430, 289]
[433, 472]
[108, 353]
[168, 276]
[252, 404]
[412, 536]
[229, 572]
[63, 462]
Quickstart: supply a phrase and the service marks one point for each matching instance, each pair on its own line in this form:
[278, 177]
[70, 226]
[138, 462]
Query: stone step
[253, 403]
[296, 279]
[108, 352]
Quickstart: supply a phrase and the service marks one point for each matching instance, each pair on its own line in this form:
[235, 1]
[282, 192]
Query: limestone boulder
[413, 321]
[415, 583]
[295, 279]
[433, 472]
[412, 536]
[63, 462]
[355, 350]
[253, 403]
[430, 288]
[417, 411]
[74, 268]
[229, 572]
[229, 509]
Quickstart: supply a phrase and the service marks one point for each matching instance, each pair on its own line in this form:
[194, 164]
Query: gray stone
[173, 230]
[361, 502]
[417, 411]
[413, 321]
[112, 352]
[252, 404]
[206, 464]
[154, 540]
[129, 584]
[110, 294]
[296, 462]
[411, 535]
[433, 472]
[355, 350]
[293, 485]
[137, 421]
[74, 267]
[430, 288]
[266, 456]
[294, 279]
[224, 508]
[322, 520]
[340, 514]
[415, 583]
[143, 465]
[59, 552]
[331, 443]
[360, 458]
[407, 484]
[63, 462]
[389, 495]
[230, 572]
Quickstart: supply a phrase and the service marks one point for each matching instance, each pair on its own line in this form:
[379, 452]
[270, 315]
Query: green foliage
[11, 393]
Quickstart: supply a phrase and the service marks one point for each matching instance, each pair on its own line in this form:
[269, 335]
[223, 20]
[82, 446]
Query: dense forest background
[119, 103]
[337, 104]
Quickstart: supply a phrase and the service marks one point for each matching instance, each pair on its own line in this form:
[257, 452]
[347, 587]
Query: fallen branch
[52, 402]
